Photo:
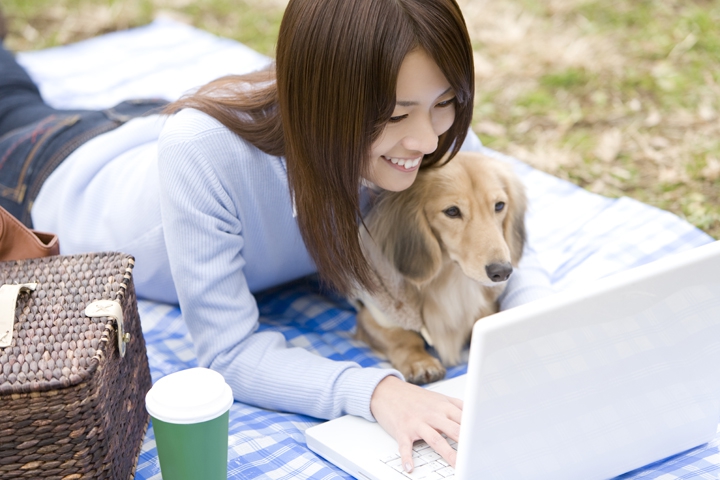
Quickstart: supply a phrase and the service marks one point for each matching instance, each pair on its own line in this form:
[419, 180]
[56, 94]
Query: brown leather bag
[17, 242]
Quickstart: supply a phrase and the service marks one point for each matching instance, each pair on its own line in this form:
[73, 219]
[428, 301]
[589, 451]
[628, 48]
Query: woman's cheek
[444, 120]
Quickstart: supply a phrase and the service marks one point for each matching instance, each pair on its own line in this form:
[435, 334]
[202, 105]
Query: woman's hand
[410, 413]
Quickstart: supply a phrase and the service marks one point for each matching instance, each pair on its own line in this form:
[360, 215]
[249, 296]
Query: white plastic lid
[189, 396]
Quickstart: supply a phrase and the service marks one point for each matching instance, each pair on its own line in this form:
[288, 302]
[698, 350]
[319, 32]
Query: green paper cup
[190, 411]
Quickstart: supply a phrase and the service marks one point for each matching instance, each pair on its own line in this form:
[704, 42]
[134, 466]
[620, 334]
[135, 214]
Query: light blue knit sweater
[209, 219]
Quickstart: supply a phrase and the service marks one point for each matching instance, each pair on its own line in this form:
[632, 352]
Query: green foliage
[242, 20]
[536, 101]
[619, 14]
[567, 79]
[247, 23]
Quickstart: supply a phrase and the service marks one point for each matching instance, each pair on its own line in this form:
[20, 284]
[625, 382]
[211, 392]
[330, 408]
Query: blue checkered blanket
[580, 236]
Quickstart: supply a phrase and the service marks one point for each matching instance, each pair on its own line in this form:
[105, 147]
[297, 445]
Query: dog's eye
[452, 212]
[499, 206]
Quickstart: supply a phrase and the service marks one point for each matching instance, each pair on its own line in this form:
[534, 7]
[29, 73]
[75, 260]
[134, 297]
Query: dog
[441, 252]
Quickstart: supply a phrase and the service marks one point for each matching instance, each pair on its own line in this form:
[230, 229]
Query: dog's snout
[499, 272]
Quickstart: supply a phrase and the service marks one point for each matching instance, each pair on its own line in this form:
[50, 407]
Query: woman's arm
[206, 241]
[530, 281]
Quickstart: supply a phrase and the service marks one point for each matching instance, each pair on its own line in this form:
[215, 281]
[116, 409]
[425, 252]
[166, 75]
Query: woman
[256, 180]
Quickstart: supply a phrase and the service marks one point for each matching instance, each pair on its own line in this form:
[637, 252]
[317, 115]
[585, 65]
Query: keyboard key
[430, 456]
[419, 445]
[389, 458]
[427, 463]
[424, 472]
[420, 461]
[396, 464]
[435, 466]
[432, 476]
[446, 472]
[425, 451]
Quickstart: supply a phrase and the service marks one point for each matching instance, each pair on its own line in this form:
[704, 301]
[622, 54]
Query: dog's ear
[399, 227]
[514, 223]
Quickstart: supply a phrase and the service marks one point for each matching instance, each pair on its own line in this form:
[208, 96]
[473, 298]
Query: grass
[618, 96]
[40, 24]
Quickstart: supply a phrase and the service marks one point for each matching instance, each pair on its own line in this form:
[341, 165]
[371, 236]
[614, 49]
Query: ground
[618, 96]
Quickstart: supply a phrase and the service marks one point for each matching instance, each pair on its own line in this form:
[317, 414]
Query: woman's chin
[398, 184]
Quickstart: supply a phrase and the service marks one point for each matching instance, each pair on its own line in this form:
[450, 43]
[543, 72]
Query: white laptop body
[586, 384]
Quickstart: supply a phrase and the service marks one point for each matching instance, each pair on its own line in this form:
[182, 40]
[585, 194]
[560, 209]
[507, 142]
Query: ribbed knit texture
[209, 219]
[530, 281]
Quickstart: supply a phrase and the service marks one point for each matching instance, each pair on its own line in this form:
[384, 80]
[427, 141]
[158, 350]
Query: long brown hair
[335, 83]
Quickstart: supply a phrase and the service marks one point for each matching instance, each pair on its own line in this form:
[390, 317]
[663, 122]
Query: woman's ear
[514, 223]
[399, 227]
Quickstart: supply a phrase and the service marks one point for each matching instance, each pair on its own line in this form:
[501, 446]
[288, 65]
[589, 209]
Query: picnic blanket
[580, 236]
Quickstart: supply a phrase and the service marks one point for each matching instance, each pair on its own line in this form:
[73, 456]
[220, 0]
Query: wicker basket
[71, 407]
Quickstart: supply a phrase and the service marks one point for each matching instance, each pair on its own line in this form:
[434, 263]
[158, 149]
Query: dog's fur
[431, 266]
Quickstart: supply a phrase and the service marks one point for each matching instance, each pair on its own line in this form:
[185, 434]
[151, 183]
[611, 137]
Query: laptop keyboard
[429, 465]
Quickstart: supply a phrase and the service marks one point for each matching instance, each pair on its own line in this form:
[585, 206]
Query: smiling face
[424, 110]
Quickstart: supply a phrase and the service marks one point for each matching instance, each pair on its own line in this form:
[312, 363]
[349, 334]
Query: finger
[454, 413]
[448, 421]
[438, 443]
[406, 451]
[449, 427]
[456, 401]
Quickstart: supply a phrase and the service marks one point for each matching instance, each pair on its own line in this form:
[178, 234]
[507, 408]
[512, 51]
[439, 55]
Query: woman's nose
[421, 136]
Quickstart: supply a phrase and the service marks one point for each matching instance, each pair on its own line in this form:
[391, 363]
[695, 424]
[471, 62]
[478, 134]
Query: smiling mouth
[404, 164]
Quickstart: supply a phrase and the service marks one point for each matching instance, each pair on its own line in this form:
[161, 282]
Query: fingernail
[408, 467]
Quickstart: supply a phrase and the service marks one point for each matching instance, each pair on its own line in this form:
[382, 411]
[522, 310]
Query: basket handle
[8, 301]
[112, 309]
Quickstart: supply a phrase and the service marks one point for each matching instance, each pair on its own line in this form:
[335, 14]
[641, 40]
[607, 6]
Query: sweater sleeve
[204, 237]
[530, 281]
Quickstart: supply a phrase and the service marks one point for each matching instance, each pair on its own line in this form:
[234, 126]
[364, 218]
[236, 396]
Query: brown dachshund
[442, 252]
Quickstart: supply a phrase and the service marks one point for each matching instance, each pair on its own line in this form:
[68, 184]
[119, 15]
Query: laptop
[586, 384]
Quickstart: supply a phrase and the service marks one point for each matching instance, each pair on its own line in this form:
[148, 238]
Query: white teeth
[408, 164]
[412, 163]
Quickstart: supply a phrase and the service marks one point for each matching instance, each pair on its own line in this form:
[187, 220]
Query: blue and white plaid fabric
[579, 236]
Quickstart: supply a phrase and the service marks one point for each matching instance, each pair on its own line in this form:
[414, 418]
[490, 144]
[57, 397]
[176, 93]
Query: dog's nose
[499, 272]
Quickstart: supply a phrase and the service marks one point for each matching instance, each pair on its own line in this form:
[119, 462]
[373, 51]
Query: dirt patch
[613, 96]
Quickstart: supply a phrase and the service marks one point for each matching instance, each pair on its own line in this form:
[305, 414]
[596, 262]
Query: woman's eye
[397, 119]
[452, 212]
[447, 103]
[499, 206]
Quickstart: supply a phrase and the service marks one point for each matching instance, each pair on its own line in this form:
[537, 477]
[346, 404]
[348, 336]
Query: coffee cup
[190, 412]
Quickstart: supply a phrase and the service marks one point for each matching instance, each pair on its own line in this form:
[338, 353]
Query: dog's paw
[424, 370]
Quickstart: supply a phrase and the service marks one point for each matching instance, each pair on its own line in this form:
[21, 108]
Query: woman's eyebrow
[405, 103]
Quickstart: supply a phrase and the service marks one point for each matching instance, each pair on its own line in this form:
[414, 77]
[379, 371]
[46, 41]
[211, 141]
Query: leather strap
[17, 242]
